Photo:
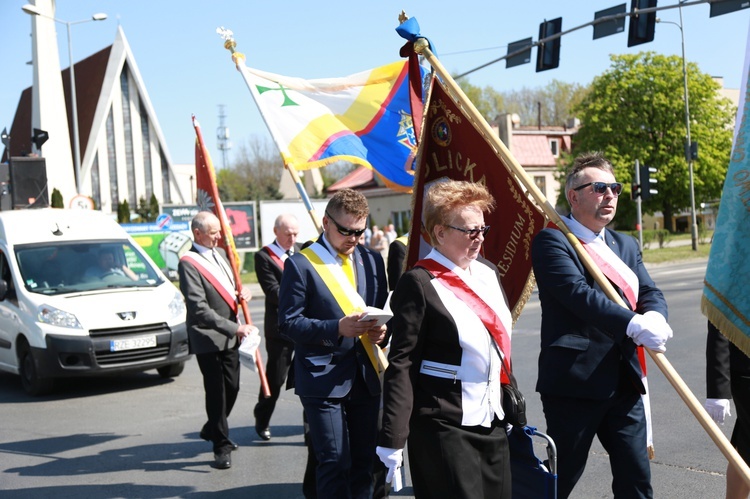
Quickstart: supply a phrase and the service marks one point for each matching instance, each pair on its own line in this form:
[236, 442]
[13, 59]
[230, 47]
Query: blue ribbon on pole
[409, 30]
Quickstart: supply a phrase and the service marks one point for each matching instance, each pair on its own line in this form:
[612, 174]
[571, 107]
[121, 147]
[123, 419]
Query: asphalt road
[137, 435]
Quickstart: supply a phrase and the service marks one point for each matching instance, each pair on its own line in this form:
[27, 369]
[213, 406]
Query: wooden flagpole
[421, 46]
[305, 198]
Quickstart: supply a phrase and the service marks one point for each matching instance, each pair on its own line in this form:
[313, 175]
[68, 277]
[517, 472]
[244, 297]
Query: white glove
[718, 409]
[650, 330]
[392, 459]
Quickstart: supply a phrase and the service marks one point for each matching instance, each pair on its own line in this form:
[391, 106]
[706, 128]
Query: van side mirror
[3, 289]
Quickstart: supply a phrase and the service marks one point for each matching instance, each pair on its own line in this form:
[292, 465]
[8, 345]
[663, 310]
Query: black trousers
[620, 425]
[221, 382]
[740, 386]
[279, 352]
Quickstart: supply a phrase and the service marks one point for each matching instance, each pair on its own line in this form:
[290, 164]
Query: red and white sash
[277, 255]
[625, 279]
[199, 263]
[484, 312]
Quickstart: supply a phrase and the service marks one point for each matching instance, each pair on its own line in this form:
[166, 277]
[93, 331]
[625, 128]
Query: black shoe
[223, 460]
[263, 433]
[234, 445]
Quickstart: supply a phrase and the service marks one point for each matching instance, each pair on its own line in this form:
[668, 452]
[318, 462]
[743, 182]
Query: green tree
[147, 212]
[335, 172]
[123, 212]
[635, 110]
[57, 199]
[488, 101]
[255, 175]
[154, 209]
[143, 210]
[551, 105]
[233, 186]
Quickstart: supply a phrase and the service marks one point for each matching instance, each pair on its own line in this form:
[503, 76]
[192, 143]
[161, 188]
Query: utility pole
[222, 134]
[639, 216]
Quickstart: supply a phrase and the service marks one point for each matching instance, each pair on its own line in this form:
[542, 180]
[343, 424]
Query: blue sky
[187, 71]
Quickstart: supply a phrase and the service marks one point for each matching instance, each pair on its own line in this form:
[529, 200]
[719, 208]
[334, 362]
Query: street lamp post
[688, 153]
[34, 11]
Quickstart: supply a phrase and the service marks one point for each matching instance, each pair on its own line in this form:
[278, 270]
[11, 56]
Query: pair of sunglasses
[345, 231]
[601, 187]
[473, 233]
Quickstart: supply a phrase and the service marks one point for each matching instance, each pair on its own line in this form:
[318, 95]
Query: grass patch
[249, 277]
[676, 253]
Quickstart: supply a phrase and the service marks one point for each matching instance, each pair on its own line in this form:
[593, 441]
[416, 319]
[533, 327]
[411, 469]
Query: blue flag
[726, 295]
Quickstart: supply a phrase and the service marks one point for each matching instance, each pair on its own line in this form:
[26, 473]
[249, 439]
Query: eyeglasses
[473, 233]
[345, 231]
[601, 187]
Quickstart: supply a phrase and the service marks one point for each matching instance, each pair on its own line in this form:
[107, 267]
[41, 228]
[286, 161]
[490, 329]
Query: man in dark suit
[590, 379]
[269, 265]
[323, 289]
[214, 334]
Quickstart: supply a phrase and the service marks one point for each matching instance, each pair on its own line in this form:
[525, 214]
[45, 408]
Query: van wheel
[30, 380]
[172, 370]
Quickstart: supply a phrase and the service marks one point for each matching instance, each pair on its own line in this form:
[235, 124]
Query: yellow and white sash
[344, 293]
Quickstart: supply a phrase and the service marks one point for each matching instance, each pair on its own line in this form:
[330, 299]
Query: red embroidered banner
[453, 148]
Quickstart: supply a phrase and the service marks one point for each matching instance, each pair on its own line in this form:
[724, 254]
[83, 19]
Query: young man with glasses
[324, 289]
[590, 379]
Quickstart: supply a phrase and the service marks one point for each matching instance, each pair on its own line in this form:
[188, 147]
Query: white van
[79, 297]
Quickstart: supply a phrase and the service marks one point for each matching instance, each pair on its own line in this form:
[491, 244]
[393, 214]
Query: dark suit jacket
[584, 348]
[269, 277]
[324, 363]
[396, 257]
[211, 324]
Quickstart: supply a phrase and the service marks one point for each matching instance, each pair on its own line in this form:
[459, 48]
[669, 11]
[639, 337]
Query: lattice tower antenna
[222, 136]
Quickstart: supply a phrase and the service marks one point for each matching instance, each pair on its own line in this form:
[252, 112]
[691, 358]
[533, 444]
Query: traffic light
[691, 151]
[635, 191]
[548, 53]
[648, 182]
[641, 29]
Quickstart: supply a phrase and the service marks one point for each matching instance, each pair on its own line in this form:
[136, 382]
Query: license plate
[132, 343]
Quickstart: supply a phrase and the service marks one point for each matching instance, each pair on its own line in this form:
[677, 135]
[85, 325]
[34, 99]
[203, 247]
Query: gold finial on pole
[230, 43]
[402, 18]
[420, 45]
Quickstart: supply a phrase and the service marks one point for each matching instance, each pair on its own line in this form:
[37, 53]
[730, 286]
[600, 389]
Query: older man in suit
[323, 289]
[269, 265]
[590, 379]
[214, 333]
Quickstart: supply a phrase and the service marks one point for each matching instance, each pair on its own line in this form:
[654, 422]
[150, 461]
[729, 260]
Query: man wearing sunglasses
[324, 288]
[590, 379]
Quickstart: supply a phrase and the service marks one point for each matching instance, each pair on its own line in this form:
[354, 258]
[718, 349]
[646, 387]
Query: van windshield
[59, 268]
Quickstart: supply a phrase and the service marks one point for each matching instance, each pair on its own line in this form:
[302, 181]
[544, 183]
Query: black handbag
[514, 405]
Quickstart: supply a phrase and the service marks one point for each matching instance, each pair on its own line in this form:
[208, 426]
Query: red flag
[453, 148]
[208, 200]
